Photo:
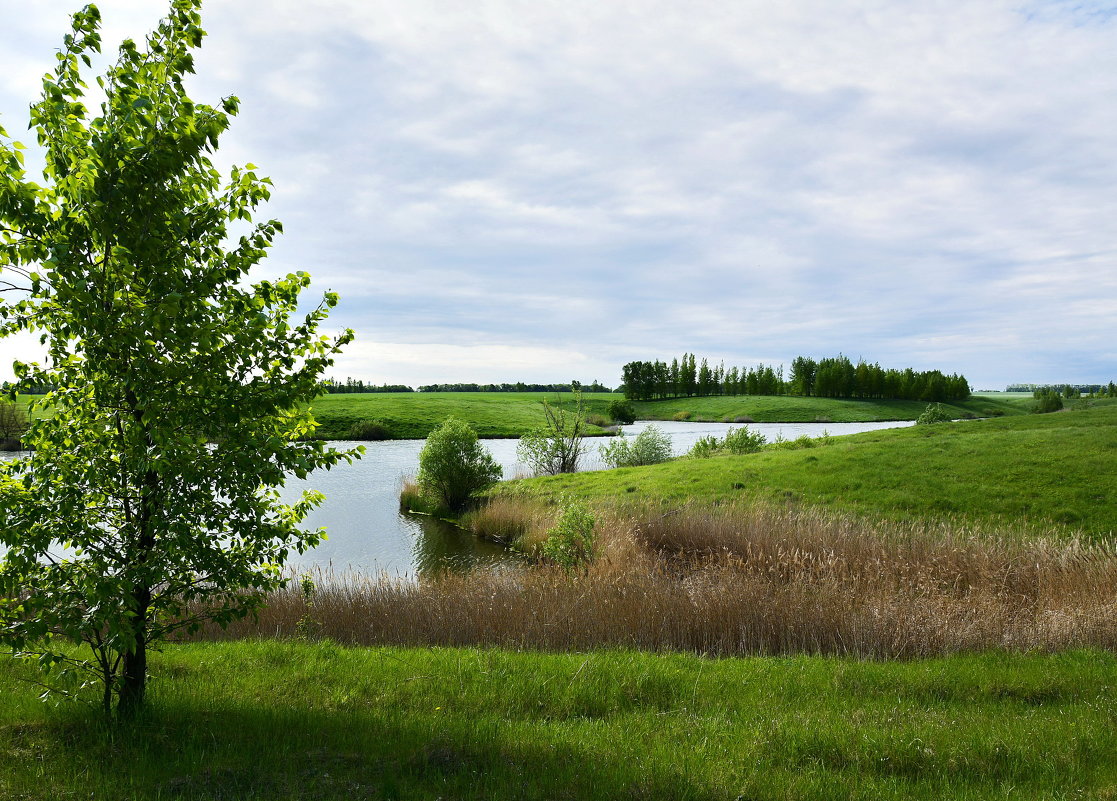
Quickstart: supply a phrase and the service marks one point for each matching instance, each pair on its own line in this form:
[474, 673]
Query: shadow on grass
[176, 751]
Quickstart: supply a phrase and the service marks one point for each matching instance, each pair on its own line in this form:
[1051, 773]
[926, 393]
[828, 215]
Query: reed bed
[739, 581]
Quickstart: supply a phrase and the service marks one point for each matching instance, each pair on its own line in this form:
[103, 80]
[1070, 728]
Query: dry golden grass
[737, 581]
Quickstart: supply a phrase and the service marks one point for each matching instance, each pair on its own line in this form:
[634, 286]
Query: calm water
[367, 533]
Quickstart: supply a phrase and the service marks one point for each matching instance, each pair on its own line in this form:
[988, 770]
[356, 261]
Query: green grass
[787, 409]
[413, 415]
[1033, 469]
[291, 720]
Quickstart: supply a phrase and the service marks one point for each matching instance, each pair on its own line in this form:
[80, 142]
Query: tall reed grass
[736, 581]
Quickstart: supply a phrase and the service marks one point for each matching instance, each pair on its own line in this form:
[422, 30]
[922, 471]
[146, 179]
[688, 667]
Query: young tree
[556, 446]
[454, 466]
[150, 501]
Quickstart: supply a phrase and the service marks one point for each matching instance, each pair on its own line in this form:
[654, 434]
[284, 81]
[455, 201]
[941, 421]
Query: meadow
[1018, 471]
[413, 415]
[314, 720]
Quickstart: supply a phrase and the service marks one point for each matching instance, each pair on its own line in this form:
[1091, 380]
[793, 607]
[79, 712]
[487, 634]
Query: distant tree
[14, 423]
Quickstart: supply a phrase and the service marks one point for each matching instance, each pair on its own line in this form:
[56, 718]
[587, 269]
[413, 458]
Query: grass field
[789, 409]
[1017, 471]
[412, 415]
[297, 720]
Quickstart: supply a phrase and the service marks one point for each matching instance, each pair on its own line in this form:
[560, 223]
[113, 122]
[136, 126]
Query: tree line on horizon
[833, 377]
[1069, 390]
[519, 386]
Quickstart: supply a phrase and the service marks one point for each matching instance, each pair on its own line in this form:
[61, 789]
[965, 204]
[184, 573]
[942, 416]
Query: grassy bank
[1015, 471]
[291, 720]
[787, 409]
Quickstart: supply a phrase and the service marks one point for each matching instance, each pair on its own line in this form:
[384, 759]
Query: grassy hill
[1030, 469]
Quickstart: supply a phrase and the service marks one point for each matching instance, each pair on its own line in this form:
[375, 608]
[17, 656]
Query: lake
[368, 534]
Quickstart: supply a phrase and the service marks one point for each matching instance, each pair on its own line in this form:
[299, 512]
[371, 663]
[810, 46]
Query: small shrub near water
[934, 413]
[622, 411]
[570, 544]
[369, 430]
[454, 466]
[650, 446]
[737, 441]
[743, 440]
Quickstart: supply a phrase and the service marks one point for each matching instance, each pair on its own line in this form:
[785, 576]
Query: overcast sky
[510, 190]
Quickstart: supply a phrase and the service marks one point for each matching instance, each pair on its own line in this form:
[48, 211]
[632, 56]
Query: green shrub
[454, 466]
[934, 413]
[369, 430]
[650, 446]
[743, 440]
[622, 411]
[570, 544]
[1047, 400]
[705, 447]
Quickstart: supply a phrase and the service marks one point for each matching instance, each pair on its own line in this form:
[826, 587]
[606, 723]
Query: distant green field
[790, 409]
[1031, 469]
[412, 415]
[278, 720]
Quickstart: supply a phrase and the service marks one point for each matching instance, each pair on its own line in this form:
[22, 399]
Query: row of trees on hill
[519, 386]
[686, 378]
[838, 377]
[835, 377]
[355, 385]
[1069, 390]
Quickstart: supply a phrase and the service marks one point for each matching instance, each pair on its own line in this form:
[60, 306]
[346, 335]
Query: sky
[542, 191]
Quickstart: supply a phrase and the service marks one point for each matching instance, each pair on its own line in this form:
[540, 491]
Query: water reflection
[441, 546]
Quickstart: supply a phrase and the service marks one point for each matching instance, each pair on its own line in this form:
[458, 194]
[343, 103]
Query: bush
[570, 544]
[650, 446]
[737, 441]
[1047, 400]
[454, 466]
[934, 413]
[369, 430]
[743, 440]
[705, 447]
[622, 411]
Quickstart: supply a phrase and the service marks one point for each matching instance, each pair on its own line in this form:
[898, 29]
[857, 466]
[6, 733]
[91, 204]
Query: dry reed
[742, 581]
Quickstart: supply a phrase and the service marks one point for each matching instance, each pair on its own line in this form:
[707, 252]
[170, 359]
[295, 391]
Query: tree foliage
[835, 377]
[150, 502]
[454, 466]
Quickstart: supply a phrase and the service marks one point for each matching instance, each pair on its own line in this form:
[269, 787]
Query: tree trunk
[133, 679]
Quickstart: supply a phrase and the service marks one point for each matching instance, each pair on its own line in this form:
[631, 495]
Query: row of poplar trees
[835, 377]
